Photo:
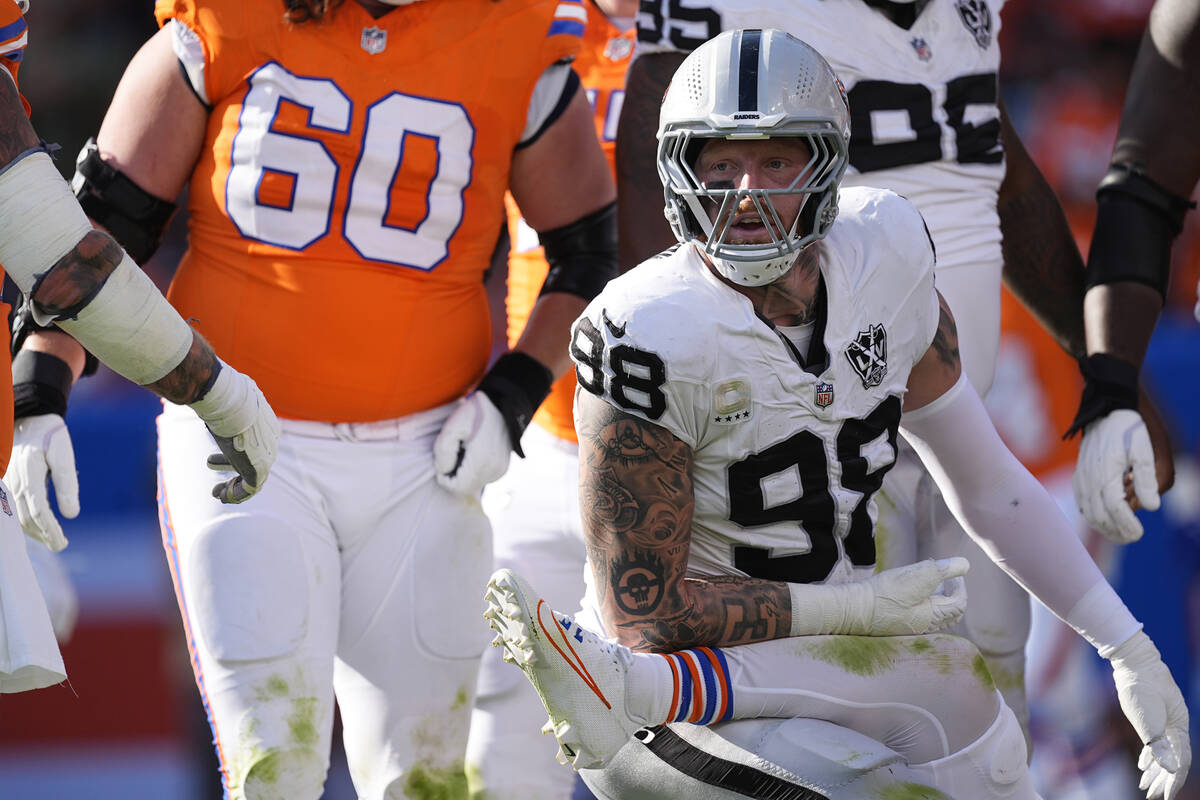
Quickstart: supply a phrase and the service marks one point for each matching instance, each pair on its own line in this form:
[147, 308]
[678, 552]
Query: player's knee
[993, 766]
[76, 277]
[284, 773]
[422, 781]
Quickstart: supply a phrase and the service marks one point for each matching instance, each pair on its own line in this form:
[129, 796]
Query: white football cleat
[579, 676]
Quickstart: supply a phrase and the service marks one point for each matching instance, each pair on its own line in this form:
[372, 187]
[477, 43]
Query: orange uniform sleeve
[225, 31]
[14, 35]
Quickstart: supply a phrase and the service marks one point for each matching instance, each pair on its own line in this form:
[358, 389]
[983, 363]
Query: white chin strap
[753, 272]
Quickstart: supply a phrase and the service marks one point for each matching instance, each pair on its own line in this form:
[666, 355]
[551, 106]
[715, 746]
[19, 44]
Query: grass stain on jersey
[435, 783]
[920, 645]
[460, 700]
[862, 655]
[979, 669]
[911, 791]
[302, 721]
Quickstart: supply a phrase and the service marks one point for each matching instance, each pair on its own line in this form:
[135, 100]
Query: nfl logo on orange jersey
[824, 394]
[374, 40]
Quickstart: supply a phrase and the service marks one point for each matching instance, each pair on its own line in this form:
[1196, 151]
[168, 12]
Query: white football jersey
[924, 122]
[787, 458]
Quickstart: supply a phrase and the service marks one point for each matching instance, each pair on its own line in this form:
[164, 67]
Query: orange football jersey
[13, 37]
[346, 202]
[601, 66]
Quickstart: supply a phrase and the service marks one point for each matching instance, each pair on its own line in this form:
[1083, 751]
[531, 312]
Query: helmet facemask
[752, 85]
[690, 202]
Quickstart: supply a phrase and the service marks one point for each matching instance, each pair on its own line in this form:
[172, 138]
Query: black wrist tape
[517, 384]
[1108, 384]
[41, 384]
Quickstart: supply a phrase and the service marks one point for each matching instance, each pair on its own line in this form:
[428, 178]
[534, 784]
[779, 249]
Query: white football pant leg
[923, 696]
[258, 586]
[534, 511]
[415, 559]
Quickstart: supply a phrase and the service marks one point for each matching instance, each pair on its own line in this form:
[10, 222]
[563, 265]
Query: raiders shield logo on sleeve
[868, 355]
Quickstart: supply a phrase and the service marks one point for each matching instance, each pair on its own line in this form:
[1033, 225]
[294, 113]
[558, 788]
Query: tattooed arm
[637, 502]
[938, 370]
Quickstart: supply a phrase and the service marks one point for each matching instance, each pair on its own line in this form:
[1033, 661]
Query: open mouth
[748, 228]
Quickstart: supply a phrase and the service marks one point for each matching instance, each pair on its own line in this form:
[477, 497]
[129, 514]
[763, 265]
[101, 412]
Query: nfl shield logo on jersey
[824, 394]
[374, 40]
[868, 355]
[4, 506]
[922, 48]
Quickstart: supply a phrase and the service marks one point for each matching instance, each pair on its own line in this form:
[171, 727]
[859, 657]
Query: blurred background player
[347, 176]
[534, 507]
[1142, 200]
[81, 280]
[926, 122]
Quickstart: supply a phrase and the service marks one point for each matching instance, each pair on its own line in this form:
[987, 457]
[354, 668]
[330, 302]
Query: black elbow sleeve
[133, 216]
[1136, 222]
[582, 255]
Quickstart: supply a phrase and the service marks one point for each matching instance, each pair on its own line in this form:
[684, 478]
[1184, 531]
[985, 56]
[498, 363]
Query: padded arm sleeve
[1012, 517]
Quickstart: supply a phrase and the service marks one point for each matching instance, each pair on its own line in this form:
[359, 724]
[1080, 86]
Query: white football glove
[1153, 704]
[41, 445]
[473, 447]
[896, 602]
[1112, 446]
[246, 431]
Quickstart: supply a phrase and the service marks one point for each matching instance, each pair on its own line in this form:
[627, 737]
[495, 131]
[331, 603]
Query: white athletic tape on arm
[40, 221]
[131, 327]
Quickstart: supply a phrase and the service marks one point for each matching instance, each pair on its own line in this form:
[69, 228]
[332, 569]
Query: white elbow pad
[128, 324]
[131, 327]
[40, 221]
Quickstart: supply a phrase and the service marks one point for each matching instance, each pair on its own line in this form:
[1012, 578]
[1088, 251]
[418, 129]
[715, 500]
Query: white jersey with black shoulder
[787, 457]
[924, 120]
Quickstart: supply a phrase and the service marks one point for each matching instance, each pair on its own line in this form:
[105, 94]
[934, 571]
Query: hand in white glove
[1112, 446]
[1153, 704]
[473, 447]
[895, 602]
[246, 431]
[41, 445]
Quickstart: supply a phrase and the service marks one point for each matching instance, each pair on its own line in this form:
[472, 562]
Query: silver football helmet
[752, 84]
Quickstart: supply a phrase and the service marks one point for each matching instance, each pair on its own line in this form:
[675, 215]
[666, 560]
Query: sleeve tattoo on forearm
[637, 502]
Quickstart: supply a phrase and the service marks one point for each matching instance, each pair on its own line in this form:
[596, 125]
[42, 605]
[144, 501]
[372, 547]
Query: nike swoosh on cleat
[576, 663]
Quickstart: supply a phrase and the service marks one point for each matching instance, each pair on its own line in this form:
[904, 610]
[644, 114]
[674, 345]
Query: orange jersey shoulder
[352, 180]
[14, 35]
[601, 65]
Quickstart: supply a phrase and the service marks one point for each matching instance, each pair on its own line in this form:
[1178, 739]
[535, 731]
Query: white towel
[29, 656]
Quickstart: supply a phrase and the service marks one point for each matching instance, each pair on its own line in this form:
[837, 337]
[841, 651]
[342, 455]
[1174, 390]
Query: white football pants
[350, 572]
[534, 511]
